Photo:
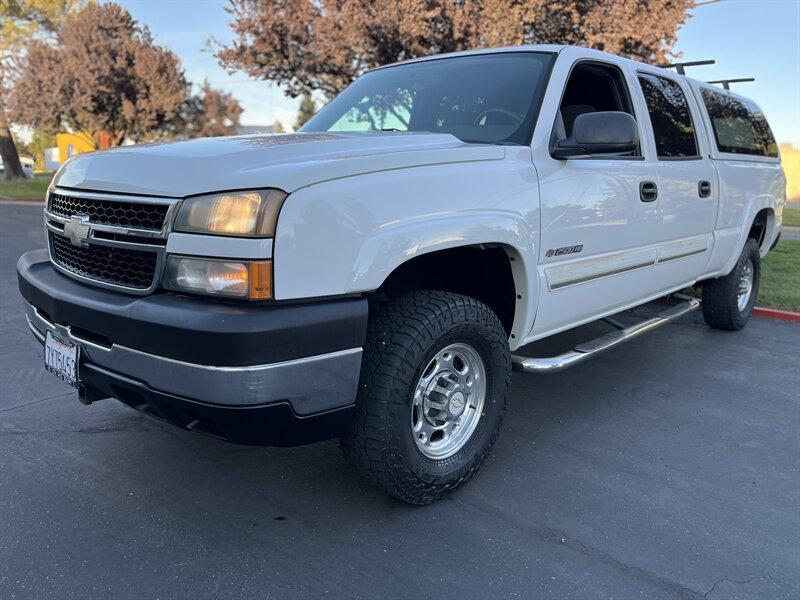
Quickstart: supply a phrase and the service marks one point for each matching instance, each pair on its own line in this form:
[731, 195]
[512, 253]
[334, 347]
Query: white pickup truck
[369, 277]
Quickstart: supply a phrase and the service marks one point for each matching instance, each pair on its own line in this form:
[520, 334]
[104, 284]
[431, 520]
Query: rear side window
[669, 113]
[739, 126]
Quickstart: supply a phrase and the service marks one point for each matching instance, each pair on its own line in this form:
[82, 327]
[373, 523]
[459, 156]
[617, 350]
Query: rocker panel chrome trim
[580, 271]
[683, 248]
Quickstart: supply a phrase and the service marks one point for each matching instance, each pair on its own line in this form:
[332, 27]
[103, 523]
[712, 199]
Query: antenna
[681, 65]
[726, 83]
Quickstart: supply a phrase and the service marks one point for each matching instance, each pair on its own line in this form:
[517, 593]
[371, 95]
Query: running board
[584, 351]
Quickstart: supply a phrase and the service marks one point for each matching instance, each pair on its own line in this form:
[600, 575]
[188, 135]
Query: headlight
[252, 214]
[220, 277]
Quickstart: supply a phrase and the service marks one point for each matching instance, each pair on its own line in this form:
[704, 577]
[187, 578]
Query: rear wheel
[728, 301]
[433, 391]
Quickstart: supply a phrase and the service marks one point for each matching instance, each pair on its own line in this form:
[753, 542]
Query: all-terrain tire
[403, 336]
[721, 296]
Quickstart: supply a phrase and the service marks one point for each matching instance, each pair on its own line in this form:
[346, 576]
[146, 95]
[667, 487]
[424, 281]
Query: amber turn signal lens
[260, 280]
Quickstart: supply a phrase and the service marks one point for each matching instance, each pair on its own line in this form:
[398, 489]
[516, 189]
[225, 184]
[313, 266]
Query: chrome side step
[584, 351]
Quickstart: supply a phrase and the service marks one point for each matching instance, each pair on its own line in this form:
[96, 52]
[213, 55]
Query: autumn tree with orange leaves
[210, 113]
[323, 45]
[20, 22]
[104, 77]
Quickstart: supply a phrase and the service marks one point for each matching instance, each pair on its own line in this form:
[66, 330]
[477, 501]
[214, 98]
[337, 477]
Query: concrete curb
[777, 315]
[11, 201]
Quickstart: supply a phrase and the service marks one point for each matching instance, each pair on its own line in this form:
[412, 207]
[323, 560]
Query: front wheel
[434, 381]
[728, 301]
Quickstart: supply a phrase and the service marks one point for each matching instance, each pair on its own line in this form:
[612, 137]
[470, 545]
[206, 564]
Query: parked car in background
[372, 277]
[27, 167]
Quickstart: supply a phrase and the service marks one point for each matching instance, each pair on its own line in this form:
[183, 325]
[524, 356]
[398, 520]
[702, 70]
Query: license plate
[61, 359]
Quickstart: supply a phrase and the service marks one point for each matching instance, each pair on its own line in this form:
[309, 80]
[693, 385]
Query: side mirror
[609, 132]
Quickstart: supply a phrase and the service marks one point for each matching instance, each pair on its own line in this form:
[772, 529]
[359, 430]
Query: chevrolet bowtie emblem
[77, 229]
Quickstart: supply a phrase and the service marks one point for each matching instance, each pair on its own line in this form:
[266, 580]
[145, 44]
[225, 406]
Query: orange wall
[73, 143]
[790, 158]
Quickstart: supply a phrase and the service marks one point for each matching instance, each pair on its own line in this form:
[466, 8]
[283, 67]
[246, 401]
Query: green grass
[26, 189]
[791, 217]
[780, 277]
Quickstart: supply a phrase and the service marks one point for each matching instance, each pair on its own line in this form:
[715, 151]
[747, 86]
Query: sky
[747, 38]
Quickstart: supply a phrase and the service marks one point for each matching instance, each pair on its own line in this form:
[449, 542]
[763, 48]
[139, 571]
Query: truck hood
[287, 162]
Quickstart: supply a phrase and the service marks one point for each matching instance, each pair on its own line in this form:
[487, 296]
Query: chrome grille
[109, 240]
[108, 264]
[117, 212]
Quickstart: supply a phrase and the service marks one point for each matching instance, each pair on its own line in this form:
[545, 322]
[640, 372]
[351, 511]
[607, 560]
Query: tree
[104, 77]
[307, 109]
[323, 45]
[211, 113]
[20, 22]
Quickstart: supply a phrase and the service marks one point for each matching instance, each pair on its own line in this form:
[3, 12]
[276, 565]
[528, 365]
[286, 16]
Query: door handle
[648, 191]
[704, 189]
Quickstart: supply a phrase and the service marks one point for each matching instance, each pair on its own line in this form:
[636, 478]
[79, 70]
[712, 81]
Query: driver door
[599, 214]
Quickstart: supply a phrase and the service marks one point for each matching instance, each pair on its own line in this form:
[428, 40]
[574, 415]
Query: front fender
[347, 236]
[393, 245]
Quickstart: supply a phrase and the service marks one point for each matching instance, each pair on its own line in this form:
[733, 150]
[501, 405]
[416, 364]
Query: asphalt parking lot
[667, 468]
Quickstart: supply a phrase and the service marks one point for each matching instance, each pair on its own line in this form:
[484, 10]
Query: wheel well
[760, 226]
[483, 273]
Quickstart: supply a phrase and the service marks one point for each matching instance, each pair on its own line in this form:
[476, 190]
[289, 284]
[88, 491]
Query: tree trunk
[8, 150]
[13, 167]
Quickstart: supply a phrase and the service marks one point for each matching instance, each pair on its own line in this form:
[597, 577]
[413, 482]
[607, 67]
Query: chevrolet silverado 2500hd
[369, 277]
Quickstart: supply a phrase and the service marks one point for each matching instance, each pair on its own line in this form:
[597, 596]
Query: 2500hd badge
[564, 250]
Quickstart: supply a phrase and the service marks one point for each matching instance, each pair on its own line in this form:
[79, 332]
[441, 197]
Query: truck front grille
[107, 264]
[116, 241]
[117, 212]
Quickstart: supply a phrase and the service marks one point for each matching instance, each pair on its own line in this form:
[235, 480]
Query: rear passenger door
[688, 193]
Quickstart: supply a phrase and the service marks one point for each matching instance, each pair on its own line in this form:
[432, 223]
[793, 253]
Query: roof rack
[726, 83]
[682, 65]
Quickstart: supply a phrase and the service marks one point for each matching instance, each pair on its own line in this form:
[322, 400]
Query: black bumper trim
[194, 330]
[267, 425]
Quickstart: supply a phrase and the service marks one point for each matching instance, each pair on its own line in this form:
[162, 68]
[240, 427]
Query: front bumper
[257, 374]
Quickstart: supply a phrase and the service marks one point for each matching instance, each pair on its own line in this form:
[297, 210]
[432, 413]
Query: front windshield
[489, 98]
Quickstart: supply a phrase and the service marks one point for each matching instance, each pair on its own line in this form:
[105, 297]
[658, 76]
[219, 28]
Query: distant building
[70, 144]
[52, 159]
[790, 158]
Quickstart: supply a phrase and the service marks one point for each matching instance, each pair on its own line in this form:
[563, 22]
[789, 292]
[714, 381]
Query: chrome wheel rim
[745, 286]
[448, 401]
